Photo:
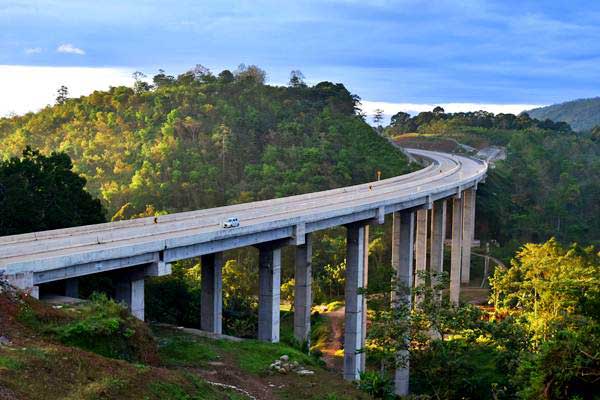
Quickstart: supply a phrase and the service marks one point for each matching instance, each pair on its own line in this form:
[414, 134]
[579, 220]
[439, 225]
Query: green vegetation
[581, 114]
[35, 365]
[547, 186]
[40, 192]
[555, 291]
[540, 341]
[100, 325]
[245, 363]
[200, 141]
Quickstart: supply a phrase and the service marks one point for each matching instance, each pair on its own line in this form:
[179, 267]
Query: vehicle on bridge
[232, 222]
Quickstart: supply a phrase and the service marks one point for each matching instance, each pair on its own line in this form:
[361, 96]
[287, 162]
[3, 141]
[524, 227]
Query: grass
[9, 363]
[251, 356]
[183, 350]
[246, 364]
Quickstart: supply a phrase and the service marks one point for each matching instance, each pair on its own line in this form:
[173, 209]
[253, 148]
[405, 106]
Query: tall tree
[62, 94]
[296, 79]
[378, 117]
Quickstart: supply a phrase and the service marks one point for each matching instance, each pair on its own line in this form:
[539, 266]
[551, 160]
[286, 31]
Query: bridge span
[147, 246]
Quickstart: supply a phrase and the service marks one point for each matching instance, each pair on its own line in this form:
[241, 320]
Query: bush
[107, 328]
[458, 369]
[378, 386]
[566, 367]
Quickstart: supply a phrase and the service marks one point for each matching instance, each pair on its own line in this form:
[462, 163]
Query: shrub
[107, 328]
[377, 385]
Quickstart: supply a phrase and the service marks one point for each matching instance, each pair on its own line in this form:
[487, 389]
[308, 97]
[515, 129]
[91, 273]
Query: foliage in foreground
[541, 342]
[556, 292]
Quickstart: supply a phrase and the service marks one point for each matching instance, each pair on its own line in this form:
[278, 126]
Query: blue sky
[404, 54]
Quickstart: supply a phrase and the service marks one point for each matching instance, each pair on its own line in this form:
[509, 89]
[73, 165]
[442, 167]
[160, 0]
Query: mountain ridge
[581, 114]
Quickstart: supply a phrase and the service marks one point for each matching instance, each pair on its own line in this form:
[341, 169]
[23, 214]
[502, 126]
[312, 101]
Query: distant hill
[582, 114]
[199, 141]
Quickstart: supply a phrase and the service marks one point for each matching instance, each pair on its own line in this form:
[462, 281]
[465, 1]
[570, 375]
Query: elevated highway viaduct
[417, 203]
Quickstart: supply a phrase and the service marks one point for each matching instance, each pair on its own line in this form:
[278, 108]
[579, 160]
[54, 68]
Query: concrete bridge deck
[189, 234]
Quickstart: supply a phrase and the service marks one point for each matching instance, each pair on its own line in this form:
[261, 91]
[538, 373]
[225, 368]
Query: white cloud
[28, 88]
[69, 49]
[390, 109]
[33, 50]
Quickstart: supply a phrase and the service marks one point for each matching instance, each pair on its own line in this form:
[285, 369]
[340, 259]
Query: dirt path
[336, 339]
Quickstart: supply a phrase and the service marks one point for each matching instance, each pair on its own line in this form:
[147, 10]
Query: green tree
[62, 94]
[40, 192]
[556, 291]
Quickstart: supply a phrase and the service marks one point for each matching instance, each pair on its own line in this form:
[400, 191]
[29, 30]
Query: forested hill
[582, 114]
[199, 140]
[547, 186]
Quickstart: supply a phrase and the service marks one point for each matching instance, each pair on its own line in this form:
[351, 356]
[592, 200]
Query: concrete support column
[421, 246]
[72, 287]
[363, 365]
[438, 236]
[24, 281]
[303, 291]
[211, 313]
[129, 289]
[456, 250]
[269, 286]
[468, 227]
[353, 331]
[402, 262]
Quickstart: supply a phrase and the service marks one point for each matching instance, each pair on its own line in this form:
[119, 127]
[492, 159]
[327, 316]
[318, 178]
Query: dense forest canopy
[437, 119]
[199, 140]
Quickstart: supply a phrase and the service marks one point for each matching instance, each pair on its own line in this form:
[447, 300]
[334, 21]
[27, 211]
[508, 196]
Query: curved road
[188, 234]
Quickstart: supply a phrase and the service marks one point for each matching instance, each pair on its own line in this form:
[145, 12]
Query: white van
[232, 222]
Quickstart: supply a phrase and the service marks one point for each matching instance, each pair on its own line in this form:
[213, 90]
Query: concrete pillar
[421, 246]
[468, 226]
[72, 287]
[456, 250]
[303, 291]
[24, 281]
[363, 365]
[211, 312]
[402, 262]
[438, 236]
[353, 331]
[269, 286]
[129, 289]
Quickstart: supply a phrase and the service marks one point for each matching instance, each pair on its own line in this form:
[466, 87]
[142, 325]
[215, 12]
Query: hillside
[97, 350]
[581, 114]
[199, 141]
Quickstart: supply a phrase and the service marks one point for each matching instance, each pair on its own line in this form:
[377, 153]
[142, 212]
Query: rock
[305, 372]
[4, 341]
[284, 358]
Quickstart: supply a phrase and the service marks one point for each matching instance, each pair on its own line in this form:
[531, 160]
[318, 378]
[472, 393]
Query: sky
[405, 55]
